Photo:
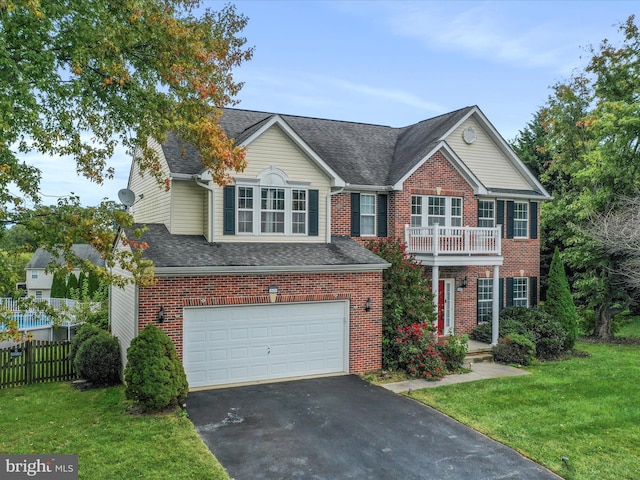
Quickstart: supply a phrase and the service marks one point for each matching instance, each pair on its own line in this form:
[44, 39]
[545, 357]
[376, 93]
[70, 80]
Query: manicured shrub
[154, 375]
[98, 359]
[406, 296]
[559, 303]
[418, 354]
[514, 348]
[548, 334]
[83, 333]
[454, 350]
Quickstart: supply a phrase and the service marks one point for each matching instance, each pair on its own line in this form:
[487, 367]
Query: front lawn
[631, 328]
[110, 443]
[584, 409]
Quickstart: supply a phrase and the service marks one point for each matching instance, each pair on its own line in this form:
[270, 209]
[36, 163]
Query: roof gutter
[253, 269]
[368, 188]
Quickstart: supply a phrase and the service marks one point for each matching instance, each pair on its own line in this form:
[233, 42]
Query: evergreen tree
[559, 300]
[82, 291]
[58, 285]
[94, 283]
[72, 286]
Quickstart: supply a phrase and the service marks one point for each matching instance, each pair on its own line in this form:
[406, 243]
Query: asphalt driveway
[342, 427]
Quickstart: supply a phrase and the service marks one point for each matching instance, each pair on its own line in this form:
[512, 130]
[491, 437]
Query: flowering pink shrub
[418, 353]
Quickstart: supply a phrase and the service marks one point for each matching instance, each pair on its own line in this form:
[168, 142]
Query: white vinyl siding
[123, 314]
[483, 157]
[275, 149]
[187, 208]
[155, 207]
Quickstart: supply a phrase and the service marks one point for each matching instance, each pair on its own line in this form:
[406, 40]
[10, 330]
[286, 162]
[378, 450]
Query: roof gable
[364, 155]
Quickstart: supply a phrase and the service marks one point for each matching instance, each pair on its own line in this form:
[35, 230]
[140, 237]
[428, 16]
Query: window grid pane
[272, 215]
[299, 211]
[520, 292]
[245, 209]
[486, 213]
[416, 211]
[520, 219]
[485, 299]
[367, 214]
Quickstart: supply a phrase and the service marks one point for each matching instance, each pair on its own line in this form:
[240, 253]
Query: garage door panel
[234, 344]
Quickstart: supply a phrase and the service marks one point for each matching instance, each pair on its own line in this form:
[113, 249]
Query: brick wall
[437, 176]
[173, 293]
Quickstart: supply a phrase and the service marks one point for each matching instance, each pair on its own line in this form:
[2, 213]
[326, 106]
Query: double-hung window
[272, 210]
[520, 292]
[520, 219]
[485, 299]
[367, 214]
[298, 211]
[443, 211]
[245, 209]
[486, 213]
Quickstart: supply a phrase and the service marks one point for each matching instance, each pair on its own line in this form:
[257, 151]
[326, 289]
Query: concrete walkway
[479, 371]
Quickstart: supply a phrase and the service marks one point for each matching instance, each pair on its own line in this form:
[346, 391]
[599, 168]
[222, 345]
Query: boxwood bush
[514, 348]
[98, 359]
[154, 376]
[83, 333]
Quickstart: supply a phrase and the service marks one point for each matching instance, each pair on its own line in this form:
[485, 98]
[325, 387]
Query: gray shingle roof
[362, 154]
[189, 251]
[42, 258]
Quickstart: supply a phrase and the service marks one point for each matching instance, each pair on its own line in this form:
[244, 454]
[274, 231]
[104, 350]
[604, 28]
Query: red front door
[440, 306]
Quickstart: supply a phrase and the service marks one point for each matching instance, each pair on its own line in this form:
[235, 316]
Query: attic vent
[469, 135]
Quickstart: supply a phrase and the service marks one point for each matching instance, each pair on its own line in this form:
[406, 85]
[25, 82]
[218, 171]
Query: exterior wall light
[367, 305]
[160, 317]
[273, 293]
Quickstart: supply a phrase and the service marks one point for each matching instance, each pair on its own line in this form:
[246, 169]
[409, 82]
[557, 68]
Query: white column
[495, 306]
[435, 280]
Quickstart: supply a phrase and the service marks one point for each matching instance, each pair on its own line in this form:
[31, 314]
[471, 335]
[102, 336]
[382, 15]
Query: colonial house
[267, 277]
[38, 280]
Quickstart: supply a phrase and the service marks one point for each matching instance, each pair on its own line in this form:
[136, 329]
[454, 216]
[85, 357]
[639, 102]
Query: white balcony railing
[436, 240]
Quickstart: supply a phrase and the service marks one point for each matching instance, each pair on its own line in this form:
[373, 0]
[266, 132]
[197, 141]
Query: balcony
[455, 245]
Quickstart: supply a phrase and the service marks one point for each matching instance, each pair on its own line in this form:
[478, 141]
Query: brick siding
[174, 293]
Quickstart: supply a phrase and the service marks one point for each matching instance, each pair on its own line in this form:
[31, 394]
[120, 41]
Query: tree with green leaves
[592, 124]
[59, 285]
[559, 303]
[79, 78]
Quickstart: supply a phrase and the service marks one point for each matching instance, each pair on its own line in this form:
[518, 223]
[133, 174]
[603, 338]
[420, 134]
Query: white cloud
[501, 32]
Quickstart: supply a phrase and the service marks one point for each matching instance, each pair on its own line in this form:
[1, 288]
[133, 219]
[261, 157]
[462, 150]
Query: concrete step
[477, 357]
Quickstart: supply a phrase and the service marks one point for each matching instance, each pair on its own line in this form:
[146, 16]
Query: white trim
[253, 269]
[458, 260]
[449, 287]
[276, 119]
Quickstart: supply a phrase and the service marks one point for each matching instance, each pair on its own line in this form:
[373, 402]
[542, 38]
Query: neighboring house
[267, 277]
[39, 281]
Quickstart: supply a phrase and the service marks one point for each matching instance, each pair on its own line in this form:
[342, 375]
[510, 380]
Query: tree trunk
[602, 327]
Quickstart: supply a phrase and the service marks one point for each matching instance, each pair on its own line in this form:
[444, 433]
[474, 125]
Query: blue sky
[396, 63]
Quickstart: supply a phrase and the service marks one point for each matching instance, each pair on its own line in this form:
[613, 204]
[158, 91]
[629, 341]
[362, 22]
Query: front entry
[445, 306]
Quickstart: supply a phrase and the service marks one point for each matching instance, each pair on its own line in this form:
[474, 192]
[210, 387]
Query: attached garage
[248, 343]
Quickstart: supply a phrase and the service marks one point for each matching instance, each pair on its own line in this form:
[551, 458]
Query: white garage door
[247, 343]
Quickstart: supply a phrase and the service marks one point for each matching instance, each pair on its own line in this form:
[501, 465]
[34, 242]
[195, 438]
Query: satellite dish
[127, 197]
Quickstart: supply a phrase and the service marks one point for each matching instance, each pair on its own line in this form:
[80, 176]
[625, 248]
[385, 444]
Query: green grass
[631, 328]
[110, 443]
[586, 409]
